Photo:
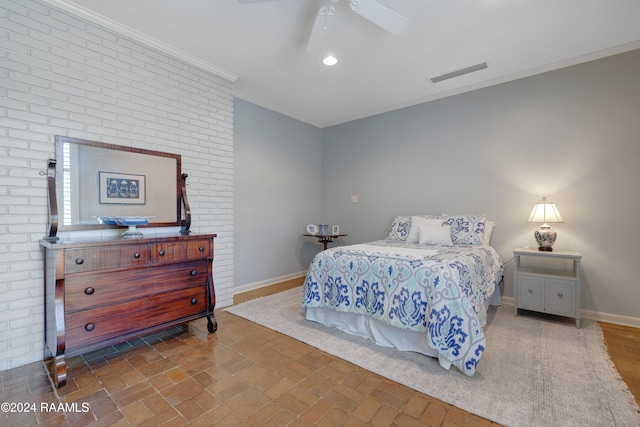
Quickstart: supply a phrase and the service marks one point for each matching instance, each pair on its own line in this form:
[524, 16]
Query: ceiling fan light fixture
[330, 60]
[371, 10]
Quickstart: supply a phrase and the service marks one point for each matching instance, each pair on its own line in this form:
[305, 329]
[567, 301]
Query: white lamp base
[545, 237]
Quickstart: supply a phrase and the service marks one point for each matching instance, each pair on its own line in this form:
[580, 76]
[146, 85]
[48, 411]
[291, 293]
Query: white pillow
[402, 224]
[435, 235]
[489, 227]
[416, 222]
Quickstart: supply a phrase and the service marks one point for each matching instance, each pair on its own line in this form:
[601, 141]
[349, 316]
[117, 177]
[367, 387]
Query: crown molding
[569, 62]
[141, 37]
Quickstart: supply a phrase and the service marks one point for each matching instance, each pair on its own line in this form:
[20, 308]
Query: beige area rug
[535, 372]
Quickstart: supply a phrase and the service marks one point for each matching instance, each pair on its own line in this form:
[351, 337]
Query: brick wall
[63, 75]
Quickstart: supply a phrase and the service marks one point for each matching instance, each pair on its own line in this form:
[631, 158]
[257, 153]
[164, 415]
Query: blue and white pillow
[402, 225]
[466, 230]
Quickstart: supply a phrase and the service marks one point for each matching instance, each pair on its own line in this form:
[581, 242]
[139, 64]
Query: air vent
[459, 72]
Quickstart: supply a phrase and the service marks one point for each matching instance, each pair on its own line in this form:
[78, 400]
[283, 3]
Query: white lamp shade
[545, 212]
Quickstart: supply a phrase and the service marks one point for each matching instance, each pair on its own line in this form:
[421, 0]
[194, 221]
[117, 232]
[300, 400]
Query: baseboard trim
[616, 319]
[268, 282]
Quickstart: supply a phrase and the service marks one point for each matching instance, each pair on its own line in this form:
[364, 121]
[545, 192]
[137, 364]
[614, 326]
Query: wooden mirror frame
[55, 174]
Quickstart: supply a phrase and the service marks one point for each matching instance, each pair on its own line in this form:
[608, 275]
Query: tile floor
[243, 375]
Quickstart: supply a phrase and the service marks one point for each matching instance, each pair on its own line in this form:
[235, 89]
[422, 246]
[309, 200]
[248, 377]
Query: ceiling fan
[371, 10]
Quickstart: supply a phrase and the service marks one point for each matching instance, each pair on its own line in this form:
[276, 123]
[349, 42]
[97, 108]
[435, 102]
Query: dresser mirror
[90, 181]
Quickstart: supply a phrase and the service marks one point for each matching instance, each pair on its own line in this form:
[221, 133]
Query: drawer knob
[194, 301]
[161, 253]
[560, 294]
[89, 290]
[89, 327]
[136, 255]
[194, 273]
[201, 248]
[530, 290]
[79, 261]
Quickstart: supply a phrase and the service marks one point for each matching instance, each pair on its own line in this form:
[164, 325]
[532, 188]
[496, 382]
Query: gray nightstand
[547, 288]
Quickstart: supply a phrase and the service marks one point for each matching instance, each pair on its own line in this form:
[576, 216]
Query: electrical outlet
[354, 199]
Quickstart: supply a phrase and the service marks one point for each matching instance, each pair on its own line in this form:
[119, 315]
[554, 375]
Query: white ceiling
[262, 46]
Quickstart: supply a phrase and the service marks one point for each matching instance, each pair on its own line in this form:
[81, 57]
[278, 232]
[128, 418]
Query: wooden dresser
[102, 292]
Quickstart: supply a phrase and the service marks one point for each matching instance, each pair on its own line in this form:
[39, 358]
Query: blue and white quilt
[437, 290]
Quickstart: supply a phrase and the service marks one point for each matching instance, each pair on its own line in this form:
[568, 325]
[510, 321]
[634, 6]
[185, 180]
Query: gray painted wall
[277, 193]
[571, 134]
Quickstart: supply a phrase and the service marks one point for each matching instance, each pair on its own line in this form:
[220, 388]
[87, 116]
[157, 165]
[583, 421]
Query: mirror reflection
[95, 179]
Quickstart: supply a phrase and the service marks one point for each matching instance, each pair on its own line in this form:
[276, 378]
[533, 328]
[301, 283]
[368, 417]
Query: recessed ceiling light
[330, 60]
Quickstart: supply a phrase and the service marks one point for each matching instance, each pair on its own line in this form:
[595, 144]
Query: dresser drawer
[85, 291]
[89, 327]
[105, 258]
[168, 252]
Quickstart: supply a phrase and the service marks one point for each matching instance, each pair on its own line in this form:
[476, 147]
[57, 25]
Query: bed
[425, 288]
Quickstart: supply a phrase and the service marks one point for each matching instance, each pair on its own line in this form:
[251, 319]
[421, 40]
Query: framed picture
[122, 188]
[335, 229]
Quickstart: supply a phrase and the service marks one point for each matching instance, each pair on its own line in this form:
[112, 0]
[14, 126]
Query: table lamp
[545, 212]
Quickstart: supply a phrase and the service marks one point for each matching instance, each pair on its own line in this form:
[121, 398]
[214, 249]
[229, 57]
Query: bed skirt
[385, 335]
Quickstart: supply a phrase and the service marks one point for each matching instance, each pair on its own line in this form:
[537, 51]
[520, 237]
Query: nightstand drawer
[531, 293]
[560, 297]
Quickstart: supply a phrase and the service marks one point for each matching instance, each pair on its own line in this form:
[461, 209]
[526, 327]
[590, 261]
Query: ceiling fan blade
[380, 15]
[320, 29]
